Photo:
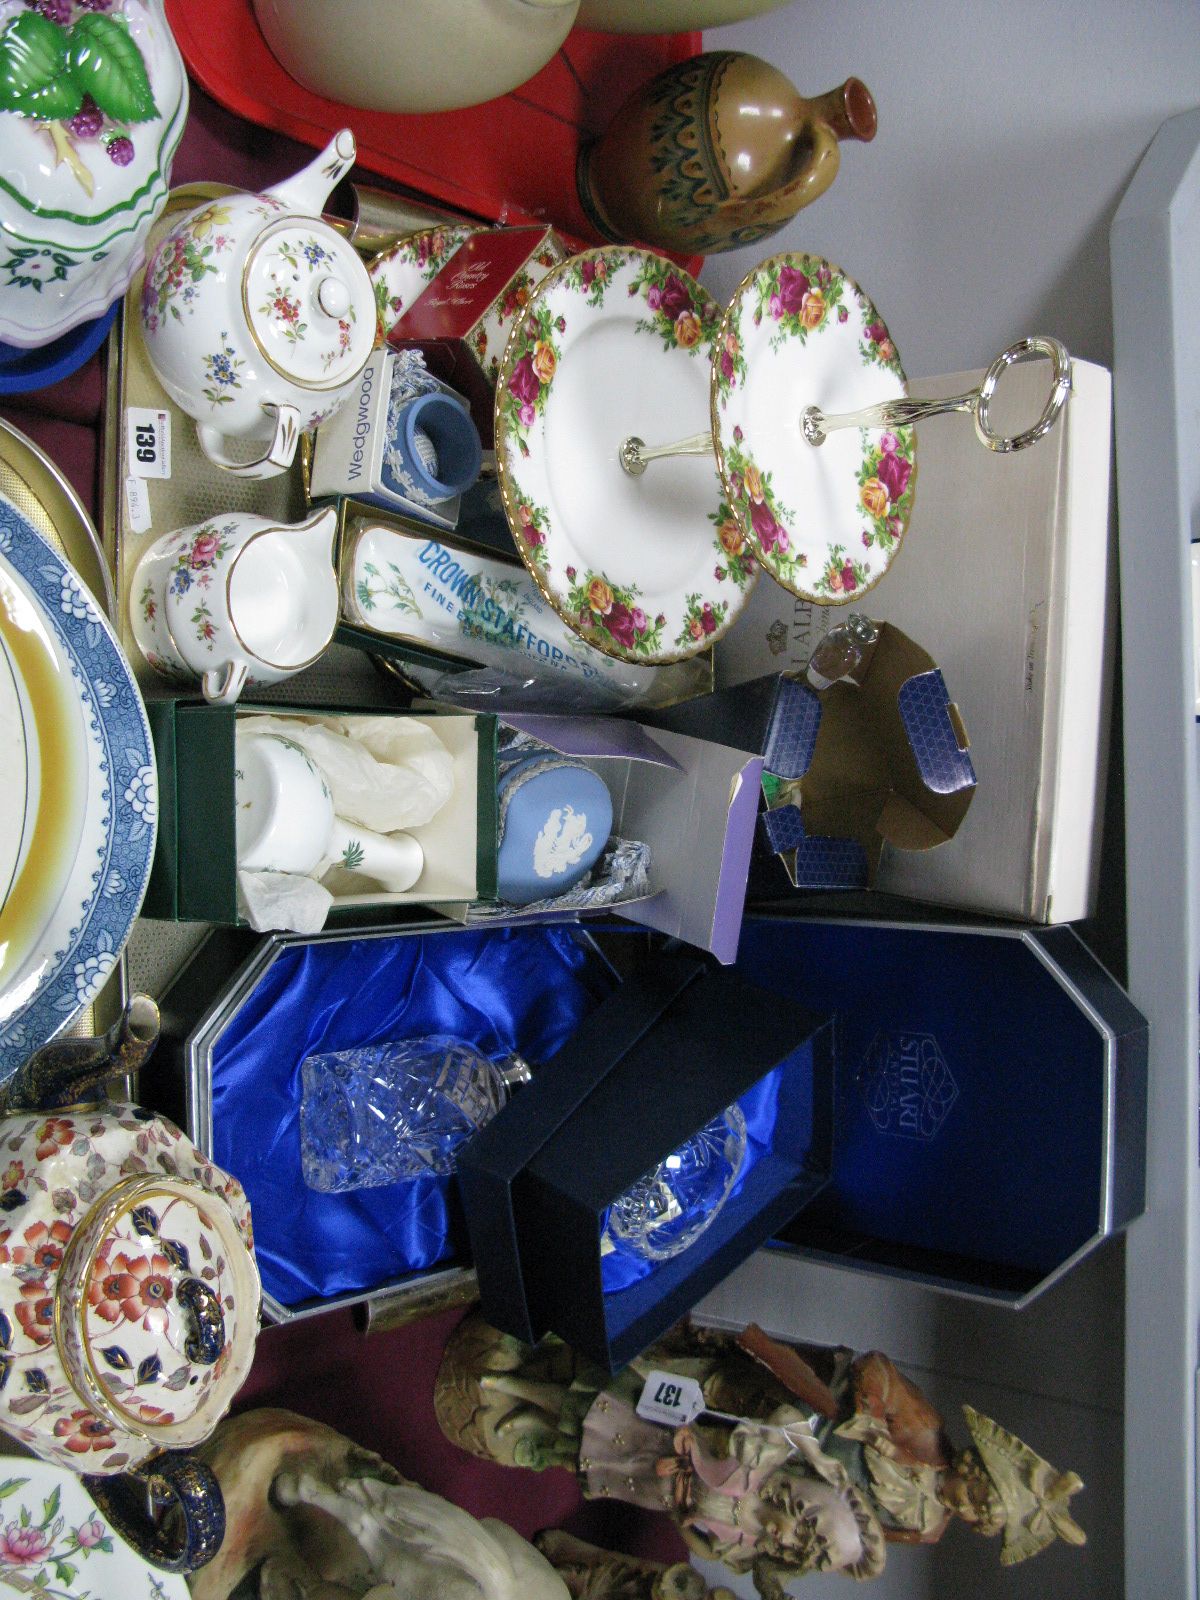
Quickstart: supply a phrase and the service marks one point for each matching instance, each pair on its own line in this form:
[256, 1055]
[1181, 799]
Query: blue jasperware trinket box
[555, 816]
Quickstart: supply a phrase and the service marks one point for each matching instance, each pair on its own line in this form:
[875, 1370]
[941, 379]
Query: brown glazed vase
[717, 152]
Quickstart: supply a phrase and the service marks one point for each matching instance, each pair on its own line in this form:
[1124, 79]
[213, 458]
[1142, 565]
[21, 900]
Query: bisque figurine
[833, 1454]
[310, 1515]
[591, 1573]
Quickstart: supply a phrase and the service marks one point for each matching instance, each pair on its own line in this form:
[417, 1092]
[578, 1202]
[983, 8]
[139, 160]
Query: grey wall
[1007, 135]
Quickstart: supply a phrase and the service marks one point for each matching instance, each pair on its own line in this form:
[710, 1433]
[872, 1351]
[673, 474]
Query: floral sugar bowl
[258, 317]
[129, 1303]
[93, 99]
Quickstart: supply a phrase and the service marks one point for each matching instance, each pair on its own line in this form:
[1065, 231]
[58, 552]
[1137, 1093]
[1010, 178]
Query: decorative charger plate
[56, 1544]
[399, 274]
[78, 796]
[824, 521]
[616, 343]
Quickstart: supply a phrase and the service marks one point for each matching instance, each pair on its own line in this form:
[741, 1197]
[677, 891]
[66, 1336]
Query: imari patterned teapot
[258, 317]
[129, 1298]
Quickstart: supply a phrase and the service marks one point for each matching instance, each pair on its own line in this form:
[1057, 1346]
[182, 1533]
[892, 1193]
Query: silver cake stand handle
[815, 425]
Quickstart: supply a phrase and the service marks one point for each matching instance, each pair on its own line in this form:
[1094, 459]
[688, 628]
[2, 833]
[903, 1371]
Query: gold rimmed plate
[824, 522]
[618, 342]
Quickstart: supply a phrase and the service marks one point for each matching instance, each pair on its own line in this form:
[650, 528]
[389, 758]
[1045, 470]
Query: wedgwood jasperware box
[195, 867]
[990, 1097]
[677, 1044]
[693, 802]
[245, 1012]
[881, 761]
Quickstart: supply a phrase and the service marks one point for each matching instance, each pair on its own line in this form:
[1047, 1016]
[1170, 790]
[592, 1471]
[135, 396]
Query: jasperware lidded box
[989, 1087]
[677, 1044]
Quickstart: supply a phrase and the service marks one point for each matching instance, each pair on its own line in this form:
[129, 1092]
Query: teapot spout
[306, 191]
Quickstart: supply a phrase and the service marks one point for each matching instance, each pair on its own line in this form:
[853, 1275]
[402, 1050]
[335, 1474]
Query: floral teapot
[129, 1297]
[258, 317]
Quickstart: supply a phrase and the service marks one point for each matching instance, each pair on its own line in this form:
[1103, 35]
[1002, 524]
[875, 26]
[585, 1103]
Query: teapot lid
[158, 1308]
[309, 303]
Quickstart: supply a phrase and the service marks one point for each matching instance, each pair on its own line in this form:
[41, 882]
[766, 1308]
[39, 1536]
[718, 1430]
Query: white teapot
[258, 317]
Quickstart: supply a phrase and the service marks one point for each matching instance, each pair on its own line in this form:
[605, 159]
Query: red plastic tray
[509, 160]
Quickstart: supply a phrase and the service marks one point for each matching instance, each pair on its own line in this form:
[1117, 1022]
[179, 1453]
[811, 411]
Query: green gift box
[194, 878]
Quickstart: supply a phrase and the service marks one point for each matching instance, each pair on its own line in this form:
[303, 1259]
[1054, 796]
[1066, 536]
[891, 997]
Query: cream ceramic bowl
[414, 55]
[668, 16]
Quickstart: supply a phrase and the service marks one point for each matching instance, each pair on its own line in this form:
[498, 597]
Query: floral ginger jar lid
[93, 99]
[129, 1296]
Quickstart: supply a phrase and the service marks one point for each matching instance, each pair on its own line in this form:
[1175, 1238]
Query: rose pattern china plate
[56, 1544]
[399, 274]
[78, 796]
[619, 342]
[824, 521]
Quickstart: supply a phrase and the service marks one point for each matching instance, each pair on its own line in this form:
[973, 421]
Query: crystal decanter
[384, 1112]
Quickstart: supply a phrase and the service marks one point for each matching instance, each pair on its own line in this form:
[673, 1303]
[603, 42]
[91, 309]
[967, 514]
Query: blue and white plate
[78, 796]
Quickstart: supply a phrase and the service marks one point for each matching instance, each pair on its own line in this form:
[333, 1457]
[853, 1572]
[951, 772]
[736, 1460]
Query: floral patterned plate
[618, 342]
[56, 1545]
[78, 797]
[824, 521]
[400, 273]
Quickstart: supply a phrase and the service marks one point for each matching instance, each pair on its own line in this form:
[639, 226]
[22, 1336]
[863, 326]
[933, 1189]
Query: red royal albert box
[463, 318]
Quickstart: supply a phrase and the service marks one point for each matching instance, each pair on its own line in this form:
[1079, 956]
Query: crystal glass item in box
[384, 1112]
[668, 1209]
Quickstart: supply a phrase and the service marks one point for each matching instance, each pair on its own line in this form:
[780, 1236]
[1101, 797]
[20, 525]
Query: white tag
[148, 442]
[666, 1397]
[137, 502]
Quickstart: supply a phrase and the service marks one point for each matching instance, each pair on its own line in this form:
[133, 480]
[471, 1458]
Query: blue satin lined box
[271, 1002]
[989, 1098]
[678, 1043]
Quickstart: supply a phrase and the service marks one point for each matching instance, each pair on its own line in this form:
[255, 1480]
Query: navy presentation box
[650, 1066]
[989, 1098]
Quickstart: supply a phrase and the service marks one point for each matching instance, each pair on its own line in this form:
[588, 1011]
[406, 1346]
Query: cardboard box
[1007, 573]
[671, 1049]
[457, 605]
[882, 760]
[235, 1085]
[989, 1098]
[462, 319]
[693, 802]
[194, 878]
[350, 453]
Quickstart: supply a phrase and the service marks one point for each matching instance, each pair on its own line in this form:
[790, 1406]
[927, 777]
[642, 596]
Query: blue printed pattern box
[879, 758]
[356, 452]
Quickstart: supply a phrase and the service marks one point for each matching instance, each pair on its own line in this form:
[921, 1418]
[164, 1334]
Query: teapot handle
[279, 453]
[137, 1503]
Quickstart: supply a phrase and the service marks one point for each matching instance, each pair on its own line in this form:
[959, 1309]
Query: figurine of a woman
[803, 1461]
